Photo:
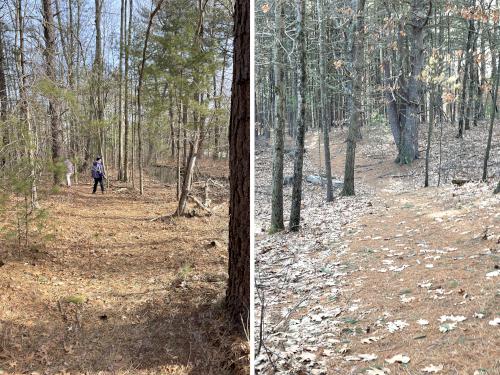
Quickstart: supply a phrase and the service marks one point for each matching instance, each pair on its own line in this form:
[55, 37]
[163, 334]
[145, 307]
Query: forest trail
[424, 253]
[115, 292]
[394, 270]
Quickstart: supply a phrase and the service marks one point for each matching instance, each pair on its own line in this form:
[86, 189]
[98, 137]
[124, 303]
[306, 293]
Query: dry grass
[117, 293]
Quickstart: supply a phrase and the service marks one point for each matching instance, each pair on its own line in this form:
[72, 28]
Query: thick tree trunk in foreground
[238, 289]
[301, 112]
[54, 106]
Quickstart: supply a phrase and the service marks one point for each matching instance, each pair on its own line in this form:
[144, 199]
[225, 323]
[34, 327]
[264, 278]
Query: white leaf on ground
[429, 265]
[371, 339]
[425, 284]
[399, 269]
[376, 371]
[405, 299]
[396, 325]
[479, 315]
[453, 318]
[353, 358]
[344, 349]
[400, 358]
[493, 273]
[423, 322]
[494, 322]
[447, 327]
[368, 357]
[432, 368]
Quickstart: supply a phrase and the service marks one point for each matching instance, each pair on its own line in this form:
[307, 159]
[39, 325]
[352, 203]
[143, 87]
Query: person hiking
[98, 174]
[70, 170]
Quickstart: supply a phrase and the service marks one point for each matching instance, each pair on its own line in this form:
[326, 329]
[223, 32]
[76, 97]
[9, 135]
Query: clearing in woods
[115, 292]
[397, 270]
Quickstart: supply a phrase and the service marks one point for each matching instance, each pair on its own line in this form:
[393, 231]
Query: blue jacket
[97, 170]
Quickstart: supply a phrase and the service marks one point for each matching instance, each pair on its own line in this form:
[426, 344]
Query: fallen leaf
[376, 371]
[494, 322]
[400, 358]
[432, 368]
[371, 339]
[445, 318]
[368, 357]
[447, 327]
[396, 325]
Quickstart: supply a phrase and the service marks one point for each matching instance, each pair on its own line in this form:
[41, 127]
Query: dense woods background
[415, 66]
[141, 84]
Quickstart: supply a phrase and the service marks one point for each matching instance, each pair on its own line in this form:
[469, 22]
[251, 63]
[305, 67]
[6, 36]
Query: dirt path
[422, 254]
[396, 254]
[117, 293]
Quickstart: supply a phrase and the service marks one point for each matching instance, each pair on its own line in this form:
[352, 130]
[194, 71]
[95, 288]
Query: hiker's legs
[96, 181]
[68, 179]
[102, 185]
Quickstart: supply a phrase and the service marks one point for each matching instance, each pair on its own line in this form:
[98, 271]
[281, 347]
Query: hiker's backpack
[96, 171]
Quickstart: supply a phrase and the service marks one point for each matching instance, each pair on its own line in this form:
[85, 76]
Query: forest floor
[399, 273]
[116, 293]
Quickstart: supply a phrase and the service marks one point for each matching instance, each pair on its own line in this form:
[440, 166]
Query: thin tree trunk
[494, 110]
[322, 106]
[139, 91]
[3, 96]
[126, 93]
[279, 129]
[301, 111]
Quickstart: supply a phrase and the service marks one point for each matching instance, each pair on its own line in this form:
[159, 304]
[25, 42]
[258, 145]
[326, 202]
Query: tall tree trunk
[54, 105]
[301, 111]
[139, 92]
[238, 288]
[409, 135]
[24, 115]
[494, 110]
[126, 93]
[3, 96]
[356, 110]
[322, 107]
[279, 129]
[463, 119]
[123, 21]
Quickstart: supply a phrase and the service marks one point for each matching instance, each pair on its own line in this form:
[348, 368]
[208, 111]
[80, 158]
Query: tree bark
[54, 105]
[279, 129]
[356, 110]
[3, 95]
[238, 289]
[409, 134]
[322, 107]
[301, 111]
[139, 92]
[126, 93]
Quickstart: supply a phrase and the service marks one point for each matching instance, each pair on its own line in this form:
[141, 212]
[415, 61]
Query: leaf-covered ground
[400, 279]
[116, 293]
